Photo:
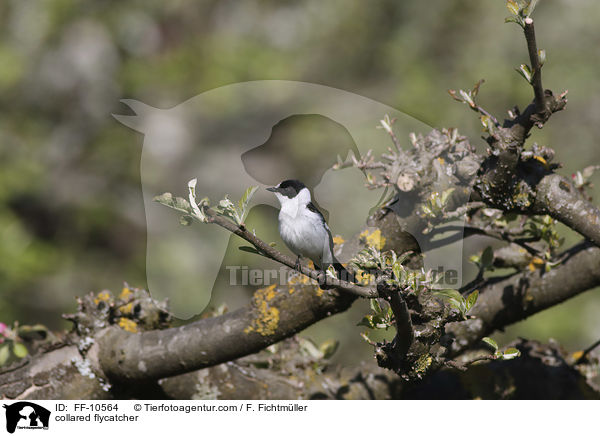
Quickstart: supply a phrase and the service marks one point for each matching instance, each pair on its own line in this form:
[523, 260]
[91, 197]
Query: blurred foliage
[71, 211]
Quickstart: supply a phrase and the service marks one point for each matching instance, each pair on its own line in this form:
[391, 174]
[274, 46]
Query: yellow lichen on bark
[102, 296]
[373, 239]
[337, 240]
[267, 320]
[536, 262]
[125, 293]
[423, 363]
[364, 278]
[127, 309]
[128, 325]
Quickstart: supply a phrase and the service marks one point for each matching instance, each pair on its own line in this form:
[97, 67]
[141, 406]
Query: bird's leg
[297, 266]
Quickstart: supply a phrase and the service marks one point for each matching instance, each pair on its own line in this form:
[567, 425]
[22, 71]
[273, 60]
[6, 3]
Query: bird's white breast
[303, 231]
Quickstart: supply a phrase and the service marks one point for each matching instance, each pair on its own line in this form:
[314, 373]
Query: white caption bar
[298, 417]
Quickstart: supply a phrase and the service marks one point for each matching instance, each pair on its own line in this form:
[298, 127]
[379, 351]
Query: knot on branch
[508, 178]
[551, 104]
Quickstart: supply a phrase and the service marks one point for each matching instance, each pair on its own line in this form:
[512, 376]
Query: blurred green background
[71, 212]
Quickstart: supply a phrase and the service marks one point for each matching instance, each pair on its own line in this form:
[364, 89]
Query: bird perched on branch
[303, 228]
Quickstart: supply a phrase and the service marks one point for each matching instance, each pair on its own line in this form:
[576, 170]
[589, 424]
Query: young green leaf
[472, 299]
[510, 353]
[542, 56]
[455, 299]
[466, 97]
[487, 123]
[386, 124]
[226, 203]
[427, 211]
[397, 270]
[487, 257]
[310, 348]
[245, 200]
[525, 71]
[380, 321]
[329, 347]
[19, 350]
[475, 259]
[515, 19]
[367, 321]
[375, 306]
[491, 343]
[4, 354]
[513, 7]
[527, 11]
[227, 209]
[475, 89]
[331, 272]
[249, 249]
[446, 195]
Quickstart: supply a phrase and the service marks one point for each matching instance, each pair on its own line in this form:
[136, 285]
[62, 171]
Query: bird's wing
[310, 206]
[328, 257]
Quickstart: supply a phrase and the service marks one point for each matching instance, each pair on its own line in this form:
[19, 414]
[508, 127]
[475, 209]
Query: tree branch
[162, 353]
[557, 197]
[270, 317]
[272, 253]
[536, 80]
[509, 300]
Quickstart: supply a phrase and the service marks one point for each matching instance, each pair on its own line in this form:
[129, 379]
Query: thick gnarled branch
[557, 197]
[269, 318]
[506, 301]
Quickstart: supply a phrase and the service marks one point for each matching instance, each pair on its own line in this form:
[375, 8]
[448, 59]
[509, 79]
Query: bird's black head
[289, 188]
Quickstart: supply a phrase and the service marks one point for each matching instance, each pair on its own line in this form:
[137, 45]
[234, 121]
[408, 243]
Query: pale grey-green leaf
[177, 203]
[4, 354]
[19, 350]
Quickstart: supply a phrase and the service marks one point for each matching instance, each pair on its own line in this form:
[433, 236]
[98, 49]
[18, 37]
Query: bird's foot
[323, 281]
[298, 265]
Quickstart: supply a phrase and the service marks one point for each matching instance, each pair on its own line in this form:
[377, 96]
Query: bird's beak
[273, 189]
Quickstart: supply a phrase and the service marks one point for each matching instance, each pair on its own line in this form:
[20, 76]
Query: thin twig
[463, 366]
[463, 210]
[395, 140]
[536, 79]
[474, 106]
[482, 111]
[587, 351]
[272, 253]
